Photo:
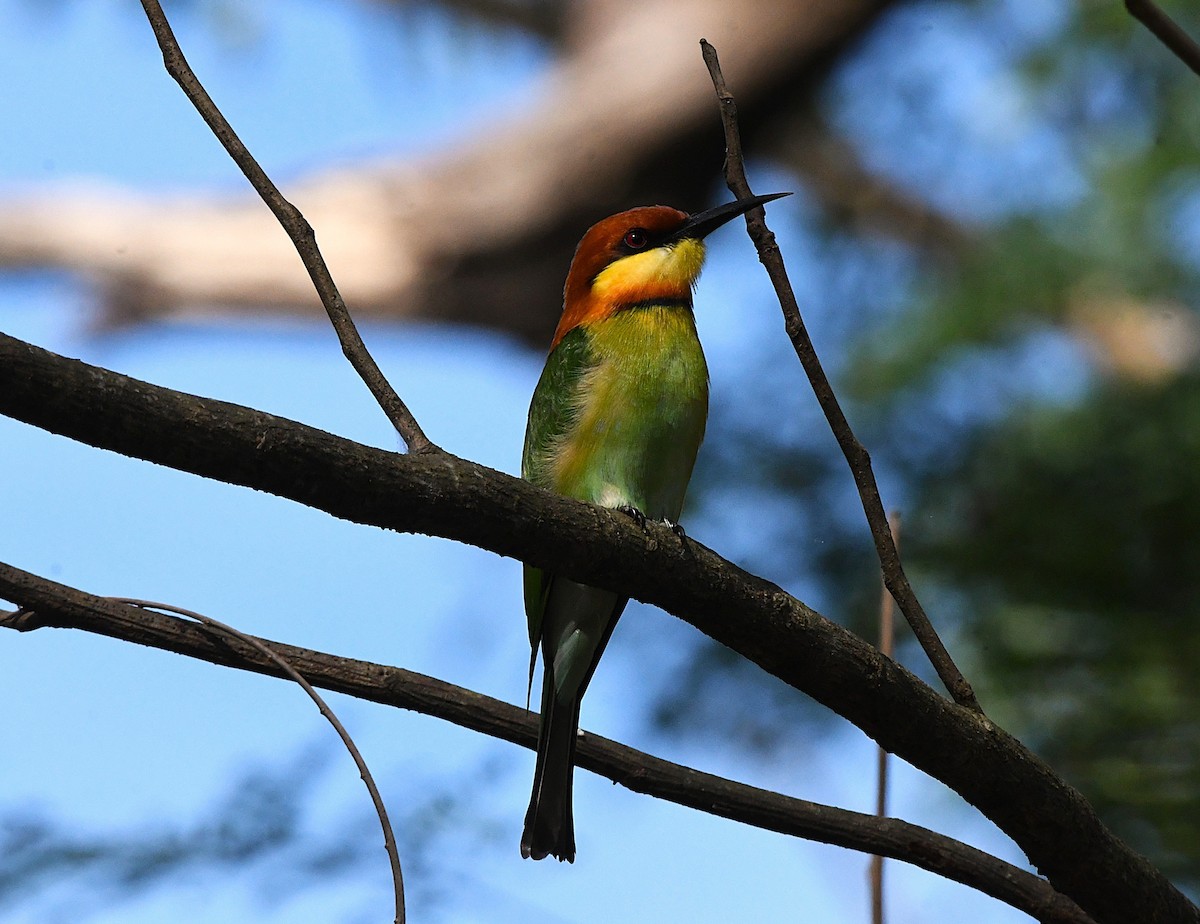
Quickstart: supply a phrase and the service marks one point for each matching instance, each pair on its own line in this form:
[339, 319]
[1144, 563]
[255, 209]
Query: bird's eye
[635, 238]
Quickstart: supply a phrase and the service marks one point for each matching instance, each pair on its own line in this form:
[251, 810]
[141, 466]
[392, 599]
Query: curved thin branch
[856, 454]
[46, 603]
[297, 228]
[389, 838]
[446, 496]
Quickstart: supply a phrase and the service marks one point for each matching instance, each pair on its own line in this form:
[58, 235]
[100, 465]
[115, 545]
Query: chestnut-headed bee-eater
[616, 419]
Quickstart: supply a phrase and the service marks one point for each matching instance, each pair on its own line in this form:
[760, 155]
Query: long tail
[577, 623]
[549, 823]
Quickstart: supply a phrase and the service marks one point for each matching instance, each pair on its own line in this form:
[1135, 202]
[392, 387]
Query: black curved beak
[704, 223]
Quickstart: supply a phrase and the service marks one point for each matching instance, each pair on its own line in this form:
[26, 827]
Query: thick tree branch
[46, 603]
[480, 231]
[855, 452]
[456, 499]
[296, 227]
[543, 18]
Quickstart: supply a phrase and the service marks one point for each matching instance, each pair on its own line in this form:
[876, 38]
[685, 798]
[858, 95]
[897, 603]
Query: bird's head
[640, 256]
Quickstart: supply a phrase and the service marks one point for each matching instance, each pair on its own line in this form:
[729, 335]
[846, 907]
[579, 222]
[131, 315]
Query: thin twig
[297, 228]
[48, 603]
[886, 645]
[1168, 31]
[389, 838]
[856, 454]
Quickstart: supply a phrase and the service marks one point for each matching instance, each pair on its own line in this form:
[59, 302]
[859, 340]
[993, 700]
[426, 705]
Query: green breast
[618, 417]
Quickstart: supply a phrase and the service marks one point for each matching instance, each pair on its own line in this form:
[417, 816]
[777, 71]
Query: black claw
[681, 535]
[638, 517]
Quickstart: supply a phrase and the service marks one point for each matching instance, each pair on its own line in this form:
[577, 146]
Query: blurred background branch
[478, 232]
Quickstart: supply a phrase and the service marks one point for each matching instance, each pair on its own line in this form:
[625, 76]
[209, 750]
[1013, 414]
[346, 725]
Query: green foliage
[1060, 521]
[1069, 524]
[1077, 533]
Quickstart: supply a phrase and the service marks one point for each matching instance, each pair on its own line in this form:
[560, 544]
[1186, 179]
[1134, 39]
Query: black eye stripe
[636, 240]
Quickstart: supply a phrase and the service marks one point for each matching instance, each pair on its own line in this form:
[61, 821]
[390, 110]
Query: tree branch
[447, 496]
[855, 452]
[296, 227]
[479, 231]
[1167, 30]
[886, 645]
[25, 621]
[46, 603]
[543, 18]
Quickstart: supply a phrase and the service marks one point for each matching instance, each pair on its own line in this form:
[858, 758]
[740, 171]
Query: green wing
[552, 412]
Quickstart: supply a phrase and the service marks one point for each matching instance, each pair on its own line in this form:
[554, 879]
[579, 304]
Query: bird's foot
[679, 534]
[636, 515]
[641, 519]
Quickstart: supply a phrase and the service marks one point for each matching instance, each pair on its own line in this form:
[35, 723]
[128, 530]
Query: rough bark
[47, 603]
[453, 498]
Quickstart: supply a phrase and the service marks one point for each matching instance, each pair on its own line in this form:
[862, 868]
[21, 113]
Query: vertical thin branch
[389, 838]
[856, 454]
[1167, 30]
[887, 646]
[297, 228]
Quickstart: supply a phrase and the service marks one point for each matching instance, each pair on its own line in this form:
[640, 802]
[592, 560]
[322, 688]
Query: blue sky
[113, 737]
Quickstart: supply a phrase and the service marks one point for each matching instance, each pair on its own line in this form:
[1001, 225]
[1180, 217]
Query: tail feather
[549, 823]
[577, 624]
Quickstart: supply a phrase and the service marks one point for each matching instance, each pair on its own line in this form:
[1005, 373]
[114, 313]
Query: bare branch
[48, 603]
[389, 838]
[856, 454]
[543, 18]
[886, 645]
[481, 230]
[1168, 31]
[443, 495]
[297, 228]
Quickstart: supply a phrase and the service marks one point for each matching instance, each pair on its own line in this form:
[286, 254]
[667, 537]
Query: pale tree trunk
[482, 232]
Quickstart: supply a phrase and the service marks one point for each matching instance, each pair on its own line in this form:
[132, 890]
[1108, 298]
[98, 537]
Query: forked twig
[297, 228]
[1150, 15]
[856, 454]
[389, 838]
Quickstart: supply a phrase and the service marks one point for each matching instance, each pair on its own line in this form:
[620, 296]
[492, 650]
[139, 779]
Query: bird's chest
[651, 375]
[640, 414]
[659, 386]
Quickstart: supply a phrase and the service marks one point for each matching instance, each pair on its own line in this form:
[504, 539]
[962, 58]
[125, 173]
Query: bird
[616, 419]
